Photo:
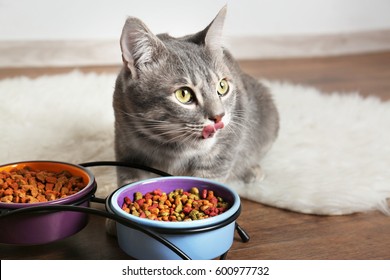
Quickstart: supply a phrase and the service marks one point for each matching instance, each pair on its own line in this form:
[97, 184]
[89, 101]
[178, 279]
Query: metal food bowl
[199, 239]
[39, 228]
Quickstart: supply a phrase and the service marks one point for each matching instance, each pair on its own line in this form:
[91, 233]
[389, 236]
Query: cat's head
[178, 90]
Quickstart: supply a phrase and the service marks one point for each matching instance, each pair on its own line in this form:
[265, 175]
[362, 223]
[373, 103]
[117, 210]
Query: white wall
[103, 19]
[88, 20]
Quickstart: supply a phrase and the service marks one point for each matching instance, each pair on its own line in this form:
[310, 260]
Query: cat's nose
[217, 118]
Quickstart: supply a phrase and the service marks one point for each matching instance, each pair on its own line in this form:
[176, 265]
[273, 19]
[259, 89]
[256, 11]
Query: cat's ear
[213, 39]
[139, 45]
[211, 36]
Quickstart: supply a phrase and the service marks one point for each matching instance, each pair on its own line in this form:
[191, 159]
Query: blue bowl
[201, 239]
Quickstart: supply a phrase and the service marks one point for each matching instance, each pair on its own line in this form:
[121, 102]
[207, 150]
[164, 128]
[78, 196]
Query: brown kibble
[41, 198]
[50, 196]
[57, 186]
[7, 198]
[9, 191]
[51, 179]
[32, 199]
[29, 186]
[32, 181]
[64, 191]
[41, 177]
[34, 191]
[15, 186]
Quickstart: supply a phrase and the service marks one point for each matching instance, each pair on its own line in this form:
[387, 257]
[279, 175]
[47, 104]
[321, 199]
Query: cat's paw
[254, 174]
[111, 227]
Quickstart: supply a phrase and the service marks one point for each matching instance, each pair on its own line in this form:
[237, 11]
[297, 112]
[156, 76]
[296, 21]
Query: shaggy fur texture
[332, 155]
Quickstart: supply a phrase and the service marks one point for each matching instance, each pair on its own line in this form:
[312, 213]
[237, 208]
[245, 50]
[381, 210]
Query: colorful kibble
[178, 205]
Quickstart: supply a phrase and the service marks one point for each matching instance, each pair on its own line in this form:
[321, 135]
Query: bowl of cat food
[42, 185]
[194, 214]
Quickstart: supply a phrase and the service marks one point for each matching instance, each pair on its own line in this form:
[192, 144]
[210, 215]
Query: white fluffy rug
[332, 155]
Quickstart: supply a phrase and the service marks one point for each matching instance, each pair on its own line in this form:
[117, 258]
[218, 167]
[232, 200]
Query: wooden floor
[275, 234]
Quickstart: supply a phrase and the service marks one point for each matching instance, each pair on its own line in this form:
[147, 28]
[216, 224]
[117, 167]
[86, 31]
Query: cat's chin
[200, 147]
[208, 143]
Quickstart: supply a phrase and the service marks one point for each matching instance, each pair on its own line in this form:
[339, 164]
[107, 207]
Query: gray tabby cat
[182, 105]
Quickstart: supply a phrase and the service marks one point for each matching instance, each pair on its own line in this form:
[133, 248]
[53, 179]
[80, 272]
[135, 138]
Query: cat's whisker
[234, 130]
[185, 135]
[195, 126]
[170, 132]
[143, 117]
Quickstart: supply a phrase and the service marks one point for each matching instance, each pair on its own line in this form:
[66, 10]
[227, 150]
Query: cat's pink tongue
[209, 130]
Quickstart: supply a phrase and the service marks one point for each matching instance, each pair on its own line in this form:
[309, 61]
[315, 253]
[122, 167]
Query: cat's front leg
[253, 174]
[111, 227]
[124, 176]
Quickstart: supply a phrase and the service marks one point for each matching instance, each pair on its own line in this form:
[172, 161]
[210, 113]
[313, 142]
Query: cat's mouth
[209, 130]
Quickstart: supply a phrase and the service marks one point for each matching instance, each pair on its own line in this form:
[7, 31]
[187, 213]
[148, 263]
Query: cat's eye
[184, 95]
[223, 87]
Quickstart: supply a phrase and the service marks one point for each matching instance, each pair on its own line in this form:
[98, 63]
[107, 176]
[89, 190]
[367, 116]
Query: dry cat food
[29, 186]
[178, 205]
